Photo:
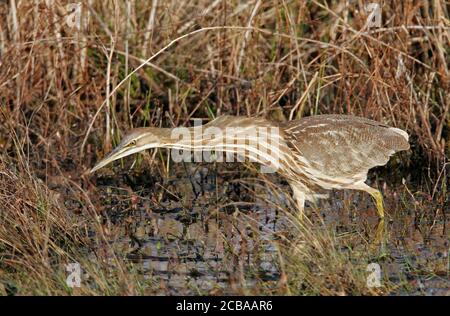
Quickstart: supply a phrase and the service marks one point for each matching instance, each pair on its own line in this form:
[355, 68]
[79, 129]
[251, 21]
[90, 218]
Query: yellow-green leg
[379, 239]
[378, 202]
[380, 235]
[376, 196]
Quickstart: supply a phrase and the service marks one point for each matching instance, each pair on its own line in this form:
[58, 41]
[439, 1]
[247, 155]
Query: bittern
[314, 153]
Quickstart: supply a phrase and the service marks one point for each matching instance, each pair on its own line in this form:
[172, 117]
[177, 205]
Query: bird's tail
[405, 144]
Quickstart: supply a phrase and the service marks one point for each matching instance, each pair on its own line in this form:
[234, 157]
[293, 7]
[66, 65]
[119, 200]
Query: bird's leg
[378, 201]
[381, 227]
[379, 240]
[376, 196]
[299, 196]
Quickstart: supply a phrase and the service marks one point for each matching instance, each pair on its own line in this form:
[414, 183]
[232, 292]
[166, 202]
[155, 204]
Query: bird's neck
[260, 145]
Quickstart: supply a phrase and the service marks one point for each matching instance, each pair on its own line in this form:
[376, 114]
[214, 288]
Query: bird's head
[135, 141]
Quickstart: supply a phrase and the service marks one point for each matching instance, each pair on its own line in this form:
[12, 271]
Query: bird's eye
[132, 143]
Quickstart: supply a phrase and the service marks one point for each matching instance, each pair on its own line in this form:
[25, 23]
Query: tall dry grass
[40, 238]
[64, 101]
[281, 59]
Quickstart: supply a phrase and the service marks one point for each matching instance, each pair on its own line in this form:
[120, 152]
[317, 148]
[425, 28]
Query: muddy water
[210, 231]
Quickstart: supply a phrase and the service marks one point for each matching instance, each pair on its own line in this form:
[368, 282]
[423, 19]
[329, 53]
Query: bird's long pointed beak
[114, 155]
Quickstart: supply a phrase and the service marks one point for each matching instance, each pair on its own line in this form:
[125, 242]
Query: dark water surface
[209, 232]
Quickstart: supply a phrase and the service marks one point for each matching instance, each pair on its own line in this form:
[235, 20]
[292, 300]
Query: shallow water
[212, 232]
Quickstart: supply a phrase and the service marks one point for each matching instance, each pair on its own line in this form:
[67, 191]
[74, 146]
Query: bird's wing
[225, 121]
[343, 146]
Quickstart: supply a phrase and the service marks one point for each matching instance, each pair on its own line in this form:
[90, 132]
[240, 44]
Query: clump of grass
[39, 239]
[318, 262]
[36, 234]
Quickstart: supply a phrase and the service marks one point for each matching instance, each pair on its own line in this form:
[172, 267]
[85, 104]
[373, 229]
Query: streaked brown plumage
[315, 153]
[338, 151]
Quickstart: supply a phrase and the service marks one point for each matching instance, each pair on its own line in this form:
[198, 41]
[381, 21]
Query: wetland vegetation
[70, 88]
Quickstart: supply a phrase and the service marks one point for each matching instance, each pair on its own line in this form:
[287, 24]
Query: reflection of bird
[313, 153]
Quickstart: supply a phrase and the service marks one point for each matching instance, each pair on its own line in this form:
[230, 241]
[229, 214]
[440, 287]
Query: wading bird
[314, 153]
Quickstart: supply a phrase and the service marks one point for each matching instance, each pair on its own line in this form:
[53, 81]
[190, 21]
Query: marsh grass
[64, 103]
[39, 237]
